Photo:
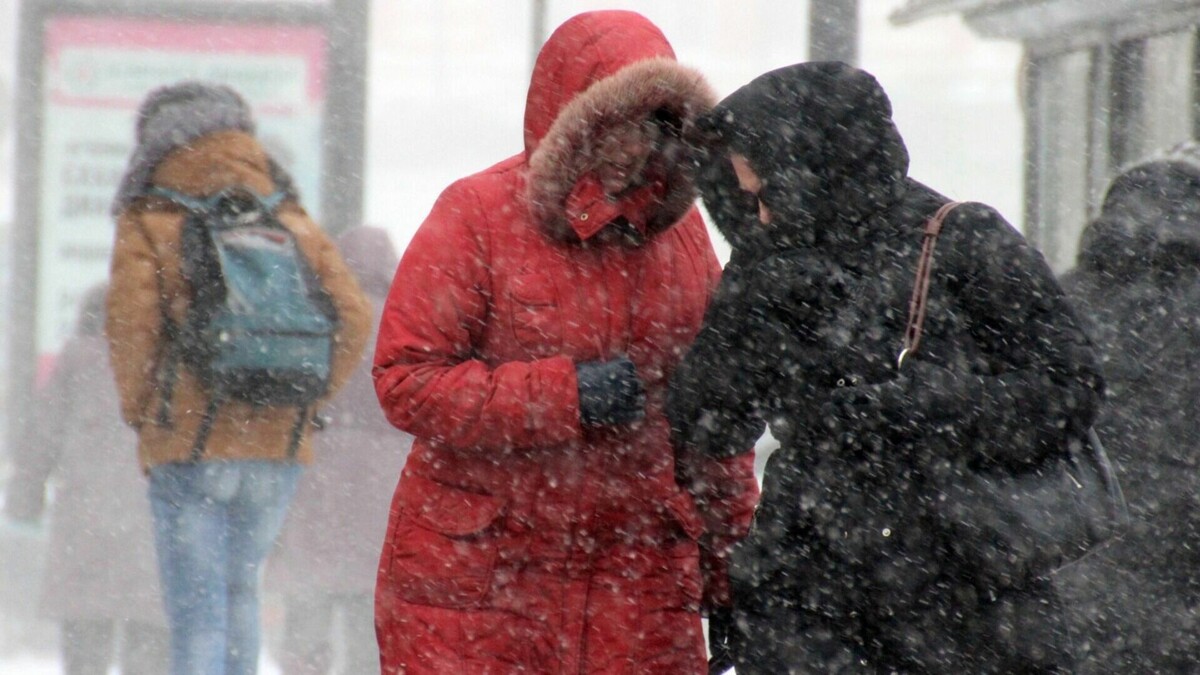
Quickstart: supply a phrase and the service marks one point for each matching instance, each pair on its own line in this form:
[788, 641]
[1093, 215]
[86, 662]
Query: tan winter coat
[146, 277]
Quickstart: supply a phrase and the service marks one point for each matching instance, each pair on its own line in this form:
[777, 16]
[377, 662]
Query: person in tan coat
[217, 505]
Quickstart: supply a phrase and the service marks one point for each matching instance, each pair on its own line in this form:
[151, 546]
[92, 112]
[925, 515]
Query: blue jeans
[214, 523]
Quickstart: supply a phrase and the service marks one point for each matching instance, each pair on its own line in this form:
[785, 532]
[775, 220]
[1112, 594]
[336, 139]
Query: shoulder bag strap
[920, 292]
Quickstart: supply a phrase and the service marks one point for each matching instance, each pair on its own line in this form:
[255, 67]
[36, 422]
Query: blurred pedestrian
[99, 582]
[327, 560]
[848, 568]
[223, 456]
[526, 343]
[1136, 602]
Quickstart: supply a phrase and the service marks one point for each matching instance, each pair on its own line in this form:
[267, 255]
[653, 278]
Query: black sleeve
[710, 405]
[721, 390]
[1044, 375]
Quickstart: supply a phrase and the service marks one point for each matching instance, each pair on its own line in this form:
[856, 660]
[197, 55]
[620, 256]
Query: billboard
[96, 70]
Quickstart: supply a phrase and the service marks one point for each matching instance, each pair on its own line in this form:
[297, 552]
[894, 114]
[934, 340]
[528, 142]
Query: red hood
[586, 49]
[599, 76]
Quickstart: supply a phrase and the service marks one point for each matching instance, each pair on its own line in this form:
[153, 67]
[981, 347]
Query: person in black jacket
[848, 569]
[1136, 284]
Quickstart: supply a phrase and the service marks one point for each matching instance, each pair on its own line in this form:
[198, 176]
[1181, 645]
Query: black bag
[1019, 526]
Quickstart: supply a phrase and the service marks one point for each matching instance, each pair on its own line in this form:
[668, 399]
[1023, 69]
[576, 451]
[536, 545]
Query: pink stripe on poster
[307, 42]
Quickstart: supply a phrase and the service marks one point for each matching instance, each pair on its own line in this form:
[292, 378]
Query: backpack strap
[297, 431]
[168, 369]
[206, 425]
[210, 417]
[269, 203]
[920, 292]
[185, 200]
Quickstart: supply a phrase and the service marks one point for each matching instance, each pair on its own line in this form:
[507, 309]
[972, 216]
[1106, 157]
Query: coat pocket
[536, 320]
[444, 545]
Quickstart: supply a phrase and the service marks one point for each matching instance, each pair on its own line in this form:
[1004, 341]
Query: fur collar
[565, 158]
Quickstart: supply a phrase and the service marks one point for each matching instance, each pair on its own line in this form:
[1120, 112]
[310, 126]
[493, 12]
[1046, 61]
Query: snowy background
[446, 90]
[447, 87]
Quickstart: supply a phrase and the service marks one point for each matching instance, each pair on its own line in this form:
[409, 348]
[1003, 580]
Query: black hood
[821, 137]
[1150, 221]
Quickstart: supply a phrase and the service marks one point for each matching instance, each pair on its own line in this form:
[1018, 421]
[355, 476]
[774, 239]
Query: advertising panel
[97, 69]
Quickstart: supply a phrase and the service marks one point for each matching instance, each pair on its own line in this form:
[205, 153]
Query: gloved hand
[610, 392]
[721, 628]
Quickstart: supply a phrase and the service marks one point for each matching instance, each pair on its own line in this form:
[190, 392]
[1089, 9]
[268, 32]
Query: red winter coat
[518, 539]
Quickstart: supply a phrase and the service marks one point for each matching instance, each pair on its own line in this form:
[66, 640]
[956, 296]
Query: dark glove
[721, 629]
[610, 392]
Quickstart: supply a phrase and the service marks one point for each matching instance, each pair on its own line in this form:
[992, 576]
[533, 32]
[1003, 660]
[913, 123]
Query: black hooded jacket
[806, 327]
[1137, 287]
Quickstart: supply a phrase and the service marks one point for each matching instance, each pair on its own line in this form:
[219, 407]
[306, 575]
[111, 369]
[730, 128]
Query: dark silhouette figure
[1136, 602]
[328, 554]
[100, 582]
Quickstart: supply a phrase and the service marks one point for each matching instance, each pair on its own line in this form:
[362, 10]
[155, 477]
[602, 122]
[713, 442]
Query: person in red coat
[526, 342]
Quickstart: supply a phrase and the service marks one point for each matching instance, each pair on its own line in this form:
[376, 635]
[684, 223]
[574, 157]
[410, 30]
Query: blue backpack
[259, 327]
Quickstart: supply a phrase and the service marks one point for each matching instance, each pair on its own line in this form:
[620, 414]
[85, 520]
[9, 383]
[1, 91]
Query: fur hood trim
[177, 115]
[634, 94]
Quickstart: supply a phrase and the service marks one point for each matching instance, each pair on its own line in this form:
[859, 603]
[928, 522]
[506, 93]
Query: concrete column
[833, 30]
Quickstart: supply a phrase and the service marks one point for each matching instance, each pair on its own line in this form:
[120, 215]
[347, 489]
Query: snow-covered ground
[28, 664]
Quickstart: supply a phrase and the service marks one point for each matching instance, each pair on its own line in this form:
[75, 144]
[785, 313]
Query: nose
[764, 213]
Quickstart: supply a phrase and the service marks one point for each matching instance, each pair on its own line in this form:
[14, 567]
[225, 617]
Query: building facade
[1104, 83]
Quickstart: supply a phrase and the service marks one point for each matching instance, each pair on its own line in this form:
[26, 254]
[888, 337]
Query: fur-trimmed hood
[609, 105]
[175, 116]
